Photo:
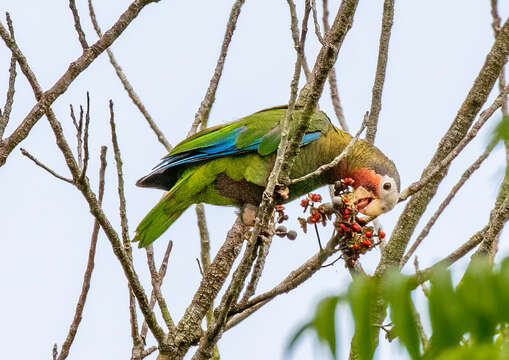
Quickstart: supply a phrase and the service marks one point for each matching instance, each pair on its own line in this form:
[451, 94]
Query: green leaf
[296, 337]
[398, 293]
[325, 322]
[501, 131]
[477, 296]
[362, 295]
[446, 320]
[475, 352]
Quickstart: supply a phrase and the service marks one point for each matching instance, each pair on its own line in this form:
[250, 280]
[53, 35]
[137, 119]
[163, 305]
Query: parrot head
[376, 183]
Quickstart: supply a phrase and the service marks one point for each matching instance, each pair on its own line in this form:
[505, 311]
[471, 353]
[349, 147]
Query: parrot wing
[260, 132]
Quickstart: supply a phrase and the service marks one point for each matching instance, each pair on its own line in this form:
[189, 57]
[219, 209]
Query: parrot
[229, 164]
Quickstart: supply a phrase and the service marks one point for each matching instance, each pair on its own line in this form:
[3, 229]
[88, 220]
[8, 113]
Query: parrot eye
[387, 186]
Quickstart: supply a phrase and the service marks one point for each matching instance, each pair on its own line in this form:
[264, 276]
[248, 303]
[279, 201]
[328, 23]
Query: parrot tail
[167, 210]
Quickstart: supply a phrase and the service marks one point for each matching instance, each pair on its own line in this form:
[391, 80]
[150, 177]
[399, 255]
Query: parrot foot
[248, 214]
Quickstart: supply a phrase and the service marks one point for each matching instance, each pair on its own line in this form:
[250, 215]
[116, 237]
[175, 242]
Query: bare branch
[312, 91]
[79, 130]
[188, 328]
[333, 84]
[215, 330]
[77, 24]
[294, 279]
[445, 162]
[294, 27]
[376, 99]
[315, 20]
[45, 100]
[466, 175]
[38, 163]
[202, 115]
[127, 85]
[156, 285]
[137, 341]
[90, 267]
[337, 159]
[263, 251]
[120, 177]
[4, 117]
[85, 140]
[162, 274]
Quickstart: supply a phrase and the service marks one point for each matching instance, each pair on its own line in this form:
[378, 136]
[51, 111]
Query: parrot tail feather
[160, 218]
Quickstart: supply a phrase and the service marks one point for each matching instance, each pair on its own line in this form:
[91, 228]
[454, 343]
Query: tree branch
[333, 83]
[446, 161]
[466, 175]
[45, 100]
[4, 117]
[77, 24]
[203, 112]
[40, 164]
[90, 267]
[381, 66]
[127, 85]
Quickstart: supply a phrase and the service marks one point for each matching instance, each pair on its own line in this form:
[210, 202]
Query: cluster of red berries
[355, 237]
[318, 214]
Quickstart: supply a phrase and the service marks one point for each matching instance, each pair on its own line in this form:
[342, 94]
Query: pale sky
[169, 53]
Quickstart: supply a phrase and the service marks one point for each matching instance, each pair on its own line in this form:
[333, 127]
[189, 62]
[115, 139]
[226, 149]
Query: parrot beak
[362, 198]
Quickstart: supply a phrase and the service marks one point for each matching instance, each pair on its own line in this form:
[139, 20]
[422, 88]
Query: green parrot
[229, 165]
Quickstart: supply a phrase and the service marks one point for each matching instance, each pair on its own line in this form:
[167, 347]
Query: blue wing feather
[226, 146]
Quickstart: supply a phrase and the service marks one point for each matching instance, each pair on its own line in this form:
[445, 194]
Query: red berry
[316, 197]
[356, 227]
[304, 202]
[381, 234]
[366, 242]
[346, 212]
[279, 207]
[362, 221]
[343, 227]
[368, 234]
[356, 246]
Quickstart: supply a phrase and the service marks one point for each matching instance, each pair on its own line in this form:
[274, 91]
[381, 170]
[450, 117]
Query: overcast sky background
[169, 53]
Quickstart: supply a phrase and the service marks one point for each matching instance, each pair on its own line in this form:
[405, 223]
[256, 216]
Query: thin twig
[156, 285]
[444, 163]
[137, 341]
[206, 105]
[85, 140]
[120, 178]
[293, 280]
[40, 164]
[466, 175]
[127, 85]
[381, 66]
[162, 274]
[295, 36]
[315, 20]
[4, 117]
[337, 159]
[210, 285]
[116, 243]
[76, 67]
[207, 342]
[333, 83]
[90, 267]
[77, 24]
[250, 290]
[79, 129]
